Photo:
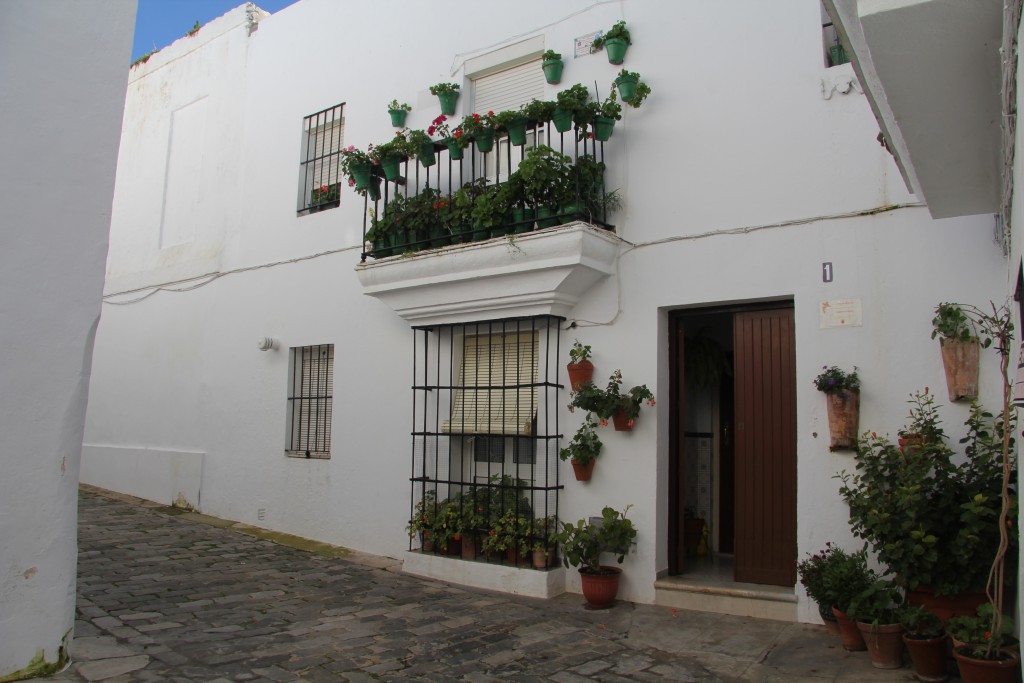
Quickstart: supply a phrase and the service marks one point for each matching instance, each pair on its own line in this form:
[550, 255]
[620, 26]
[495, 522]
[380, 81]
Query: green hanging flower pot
[391, 166]
[547, 217]
[522, 219]
[517, 131]
[361, 174]
[448, 100]
[562, 118]
[627, 87]
[426, 154]
[603, 128]
[454, 148]
[484, 139]
[553, 70]
[397, 117]
[616, 49]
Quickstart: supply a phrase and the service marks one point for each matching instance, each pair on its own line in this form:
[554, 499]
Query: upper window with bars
[310, 401]
[320, 169]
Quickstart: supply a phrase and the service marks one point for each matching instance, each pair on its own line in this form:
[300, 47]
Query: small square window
[320, 169]
[310, 401]
[489, 449]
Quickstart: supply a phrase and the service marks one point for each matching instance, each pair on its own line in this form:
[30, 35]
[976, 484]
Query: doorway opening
[732, 466]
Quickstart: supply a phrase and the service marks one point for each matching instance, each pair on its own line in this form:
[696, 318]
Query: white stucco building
[754, 193]
[63, 81]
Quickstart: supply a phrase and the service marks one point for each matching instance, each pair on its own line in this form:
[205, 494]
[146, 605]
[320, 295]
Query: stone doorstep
[739, 599]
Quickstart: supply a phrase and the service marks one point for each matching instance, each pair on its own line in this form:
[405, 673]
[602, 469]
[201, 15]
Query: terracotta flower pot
[541, 559]
[885, 644]
[580, 373]
[843, 417]
[583, 472]
[852, 639]
[986, 670]
[468, 547]
[623, 423]
[600, 589]
[945, 606]
[960, 361]
[929, 657]
[829, 618]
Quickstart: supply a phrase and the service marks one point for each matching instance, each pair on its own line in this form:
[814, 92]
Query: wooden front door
[765, 447]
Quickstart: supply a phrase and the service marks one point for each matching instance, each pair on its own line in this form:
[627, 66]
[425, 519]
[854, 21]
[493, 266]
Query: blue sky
[161, 22]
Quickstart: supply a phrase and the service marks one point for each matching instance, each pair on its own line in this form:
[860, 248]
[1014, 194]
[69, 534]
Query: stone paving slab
[173, 597]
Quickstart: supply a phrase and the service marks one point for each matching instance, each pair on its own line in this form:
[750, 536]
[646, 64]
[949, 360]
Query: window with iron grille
[485, 412]
[320, 170]
[310, 401]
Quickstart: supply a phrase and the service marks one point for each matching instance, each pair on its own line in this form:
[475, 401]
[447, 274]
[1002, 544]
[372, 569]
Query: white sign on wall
[583, 44]
[840, 313]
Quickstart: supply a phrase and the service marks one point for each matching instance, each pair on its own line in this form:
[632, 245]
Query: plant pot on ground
[820, 575]
[844, 576]
[876, 610]
[582, 547]
[926, 641]
[583, 450]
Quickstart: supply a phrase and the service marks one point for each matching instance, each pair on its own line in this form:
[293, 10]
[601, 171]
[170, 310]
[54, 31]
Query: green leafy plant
[544, 175]
[550, 55]
[443, 87]
[924, 420]
[977, 632]
[585, 445]
[194, 30]
[834, 380]
[397, 146]
[350, 157]
[832, 576]
[575, 100]
[491, 206]
[504, 118]
[144, 58]
[610, 107]
[583, 542]
[579, 353]
[424, 514]
[618, 30]
[950, 322]
[920, 623]
[395, 106]
[509, 531]
[540, 111]
[878, 604]
[640, 92]
[606, 402]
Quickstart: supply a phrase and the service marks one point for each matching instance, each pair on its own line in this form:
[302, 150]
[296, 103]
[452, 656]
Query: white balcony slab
[538, 273]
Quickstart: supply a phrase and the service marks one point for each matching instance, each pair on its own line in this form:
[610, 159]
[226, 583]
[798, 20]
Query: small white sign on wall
[583, 44]
[840, 313]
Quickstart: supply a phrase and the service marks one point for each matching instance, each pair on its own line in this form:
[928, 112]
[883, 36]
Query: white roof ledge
[537, 273]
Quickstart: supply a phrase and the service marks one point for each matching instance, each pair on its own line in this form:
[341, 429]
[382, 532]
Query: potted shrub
[582, 547]
[392, 153]
[543, 541]
[539, 111]
[509, 534]
[423, 520]
[480, 129]
[489, 212]
[398, 113]
[513, 123]
[455, 141]
[933, 523]
[543, 175]
[923, 427]
[581, 370]
[876, 609]
[845, 576]
[925, 639]
[422, 147]
[356, 165]
[631, 89]
[960, 350]
[605, 116]
[583, 450]
[447, 96]
[551, 62]
[813, 573]
[615, 41]
[611, 403]
[842, 393]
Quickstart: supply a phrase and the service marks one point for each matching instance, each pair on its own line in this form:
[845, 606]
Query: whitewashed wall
[745, 129]
[63, 82]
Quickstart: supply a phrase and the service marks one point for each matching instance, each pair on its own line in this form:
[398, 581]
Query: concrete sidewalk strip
[165, 596]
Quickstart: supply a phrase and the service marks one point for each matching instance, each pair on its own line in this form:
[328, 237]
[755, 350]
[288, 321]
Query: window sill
[312, 456]
[537, 273]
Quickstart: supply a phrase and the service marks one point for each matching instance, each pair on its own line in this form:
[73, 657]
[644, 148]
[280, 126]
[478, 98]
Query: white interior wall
[757, 131]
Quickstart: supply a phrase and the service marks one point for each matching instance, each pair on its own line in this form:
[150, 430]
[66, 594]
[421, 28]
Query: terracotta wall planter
[843, 419]
[583, 472]
[623, 423]
[580, 373]
[960, 361]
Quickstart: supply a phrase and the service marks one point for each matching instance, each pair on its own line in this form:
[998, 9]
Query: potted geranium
[606, 114]
[570, 106]
[480, 128]
[447, 96]
[391, 154]
[615, 41]
[398, 113]
[925, 639]
[958, 341]
[551, 62]
[423, 520]
[845, 576]
[454, 140]
[842, 392]
[422, 147]
[631, 89]
[612, 403]
[509, 534]
[583, 544]
[357, 166]
[583, 450]
[984, 655]
[876, 610]
[813, 574]
[580, 369]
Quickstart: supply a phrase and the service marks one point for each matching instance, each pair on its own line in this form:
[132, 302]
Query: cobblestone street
[168, 597]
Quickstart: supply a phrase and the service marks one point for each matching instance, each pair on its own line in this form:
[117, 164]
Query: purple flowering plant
[833, 380]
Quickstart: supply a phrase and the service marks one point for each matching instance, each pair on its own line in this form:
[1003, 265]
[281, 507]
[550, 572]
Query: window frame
[310, 401]
[320, 177]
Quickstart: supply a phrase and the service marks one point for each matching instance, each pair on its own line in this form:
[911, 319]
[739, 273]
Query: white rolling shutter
[509, 89]
[500, 365]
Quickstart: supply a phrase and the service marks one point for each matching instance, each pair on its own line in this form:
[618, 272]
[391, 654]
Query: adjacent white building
[63, 82]
[756, 203]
